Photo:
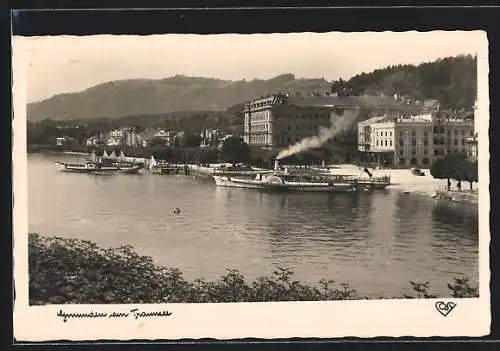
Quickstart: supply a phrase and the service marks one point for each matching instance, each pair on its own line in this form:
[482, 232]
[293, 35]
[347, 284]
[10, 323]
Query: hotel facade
[273, 121]
[414, 141]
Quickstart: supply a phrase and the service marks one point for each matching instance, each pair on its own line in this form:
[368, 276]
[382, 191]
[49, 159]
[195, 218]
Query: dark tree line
[452, 81]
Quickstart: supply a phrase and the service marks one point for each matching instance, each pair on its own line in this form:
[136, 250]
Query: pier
[171, 169]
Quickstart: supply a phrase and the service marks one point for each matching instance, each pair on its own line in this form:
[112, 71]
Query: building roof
[377, 119]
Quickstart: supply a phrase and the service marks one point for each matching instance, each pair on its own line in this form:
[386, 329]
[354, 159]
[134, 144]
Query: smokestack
[276, 165]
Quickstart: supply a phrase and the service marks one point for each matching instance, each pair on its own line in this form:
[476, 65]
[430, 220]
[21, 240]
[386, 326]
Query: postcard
[312, 185]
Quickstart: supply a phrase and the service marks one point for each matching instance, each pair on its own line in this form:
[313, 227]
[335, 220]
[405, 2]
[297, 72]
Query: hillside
[451, 80]
[179, 93]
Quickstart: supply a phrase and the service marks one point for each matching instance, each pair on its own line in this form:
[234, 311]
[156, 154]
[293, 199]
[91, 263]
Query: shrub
[78, 271]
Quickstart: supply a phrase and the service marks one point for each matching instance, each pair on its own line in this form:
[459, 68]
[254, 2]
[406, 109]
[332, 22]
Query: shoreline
[401, 179]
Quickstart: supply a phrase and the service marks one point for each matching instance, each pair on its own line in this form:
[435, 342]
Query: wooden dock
[171, 169]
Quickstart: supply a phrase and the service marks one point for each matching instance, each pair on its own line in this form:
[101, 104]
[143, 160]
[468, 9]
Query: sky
[63, 64]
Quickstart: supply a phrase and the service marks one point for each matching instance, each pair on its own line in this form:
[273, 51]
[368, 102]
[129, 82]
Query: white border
[363, 318]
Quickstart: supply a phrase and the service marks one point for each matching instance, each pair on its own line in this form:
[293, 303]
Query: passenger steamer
[100, 166]
[279, 180]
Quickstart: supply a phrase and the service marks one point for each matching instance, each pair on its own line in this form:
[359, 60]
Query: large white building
[278, 121]
[410, 141]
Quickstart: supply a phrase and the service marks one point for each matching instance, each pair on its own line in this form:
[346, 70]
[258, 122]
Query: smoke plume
[337, 124]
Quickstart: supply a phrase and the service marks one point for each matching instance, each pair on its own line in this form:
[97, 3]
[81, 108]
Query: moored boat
[303, 181]
[97, 167]
[86, 167]
[278, 182]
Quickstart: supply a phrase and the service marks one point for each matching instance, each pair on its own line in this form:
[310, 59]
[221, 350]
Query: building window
[377, 142]
[402, 161]
[401, 152]
[413, 152]
[426, 142]
[463, 142]
[413, 161]
[401, 143]
[390, 134]
[425, 161]
[413, 134]
[456, 142]
[386, 143]
[426, 151]
[390, 142]
[413, 142]
[425, 134]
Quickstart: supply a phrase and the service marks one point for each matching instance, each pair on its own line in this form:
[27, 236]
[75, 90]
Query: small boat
[98, 167]
[86, 167]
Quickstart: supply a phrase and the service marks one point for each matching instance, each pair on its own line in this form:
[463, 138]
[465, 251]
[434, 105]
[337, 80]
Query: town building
[210, 137]
[411, 141]
[278, 120]
[168, 136]
[65, 140]
[471, 148]
[116, 137]
[132, 139]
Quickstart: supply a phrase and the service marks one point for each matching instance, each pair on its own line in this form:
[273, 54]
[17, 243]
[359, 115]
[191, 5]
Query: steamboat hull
[130, 170]
[75, 168]
[283, 187]
[96, 169]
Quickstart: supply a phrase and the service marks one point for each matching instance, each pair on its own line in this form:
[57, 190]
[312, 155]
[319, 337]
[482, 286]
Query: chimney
[276, 165]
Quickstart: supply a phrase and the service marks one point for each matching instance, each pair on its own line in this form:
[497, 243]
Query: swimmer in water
[177, 211]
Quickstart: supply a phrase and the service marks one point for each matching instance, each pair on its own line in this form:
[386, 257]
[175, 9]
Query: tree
[452, 166]
[471, 173]
[157, 141]
[191, 140]
[442, 169]
[234, 150]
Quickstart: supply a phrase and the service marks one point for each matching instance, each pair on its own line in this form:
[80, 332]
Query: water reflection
[456, 214]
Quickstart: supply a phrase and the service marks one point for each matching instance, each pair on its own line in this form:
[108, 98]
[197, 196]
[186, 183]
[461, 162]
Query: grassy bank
[78, 271]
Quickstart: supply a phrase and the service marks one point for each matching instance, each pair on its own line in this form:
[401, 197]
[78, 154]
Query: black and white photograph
[249, 179]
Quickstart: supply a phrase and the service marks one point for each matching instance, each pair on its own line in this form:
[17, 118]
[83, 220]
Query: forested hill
[451, 80]
[180, 93]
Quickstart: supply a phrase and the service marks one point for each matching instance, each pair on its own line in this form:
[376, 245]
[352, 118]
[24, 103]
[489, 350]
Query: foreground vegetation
[78, 271]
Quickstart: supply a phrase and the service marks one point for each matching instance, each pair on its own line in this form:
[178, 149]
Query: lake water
[377, 242]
